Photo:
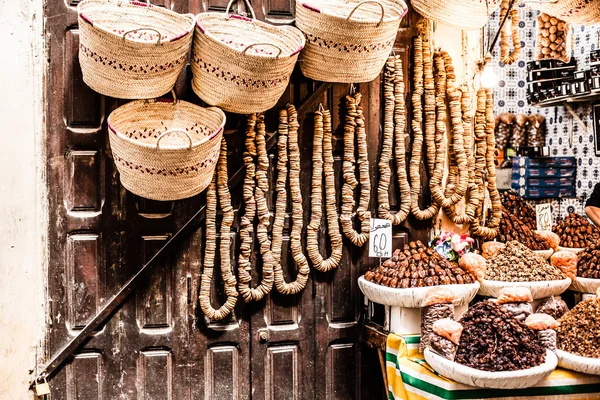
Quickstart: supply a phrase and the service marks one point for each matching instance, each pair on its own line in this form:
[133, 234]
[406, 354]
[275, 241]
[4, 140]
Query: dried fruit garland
[250, 190]
[506, 56]
[288, 150]
[218, 186]
[323, 164]
[393, 138]
[355, 127]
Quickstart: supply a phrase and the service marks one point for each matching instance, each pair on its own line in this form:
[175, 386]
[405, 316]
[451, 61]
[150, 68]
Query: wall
[22, 214]
[566, 137]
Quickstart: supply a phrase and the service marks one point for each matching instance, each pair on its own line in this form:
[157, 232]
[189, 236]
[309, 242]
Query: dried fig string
[506, 56]
[323, 164]
[218, 186]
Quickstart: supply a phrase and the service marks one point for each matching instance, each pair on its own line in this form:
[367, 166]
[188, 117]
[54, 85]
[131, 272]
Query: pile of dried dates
[579, 330]
[416, 265]
[493, 340]
[513, 227]
[588, 264]
[517, 206]
[576, 231]
[517, 263]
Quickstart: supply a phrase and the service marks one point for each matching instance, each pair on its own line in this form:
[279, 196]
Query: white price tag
[543, 217]
[380, 239]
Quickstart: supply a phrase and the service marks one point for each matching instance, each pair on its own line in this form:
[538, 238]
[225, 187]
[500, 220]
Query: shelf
[568, 99]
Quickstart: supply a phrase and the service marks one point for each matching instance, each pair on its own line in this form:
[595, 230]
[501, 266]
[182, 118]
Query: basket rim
[134, 3]
[214, 39]
[137, 143]
[314, 8]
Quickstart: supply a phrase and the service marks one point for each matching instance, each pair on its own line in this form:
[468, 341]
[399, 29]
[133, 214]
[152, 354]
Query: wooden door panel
[223, 373]
[86, 378]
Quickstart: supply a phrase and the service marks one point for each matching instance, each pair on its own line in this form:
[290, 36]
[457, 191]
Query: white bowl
[494, 380]
[545, 254]
[585, 365]
[413, 297]
[585, 285]
[539, 290]
[571, 249]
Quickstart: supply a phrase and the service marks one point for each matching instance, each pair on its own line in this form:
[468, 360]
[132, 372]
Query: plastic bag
[566, 261]
[503, 129]
[541, 322]
[490, 249]
[473, 263]
[548, 339]
[514, 294]
[519, 131]
[431, 314]
[536, 131]
[554, 39]
[553, 306]
[438, 295]
[552, 238]
[519, 310]
[443, 346]
[448, 328]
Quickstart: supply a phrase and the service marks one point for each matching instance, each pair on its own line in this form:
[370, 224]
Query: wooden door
[158, 345]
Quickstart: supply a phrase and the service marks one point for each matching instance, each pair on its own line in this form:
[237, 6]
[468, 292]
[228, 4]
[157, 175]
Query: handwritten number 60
[379, 243]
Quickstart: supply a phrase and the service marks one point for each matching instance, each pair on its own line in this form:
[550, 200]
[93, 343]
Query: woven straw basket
[347, 41]
[580, 12]
[242, 65]
[165, 149]
[465, 14]
[132, 50]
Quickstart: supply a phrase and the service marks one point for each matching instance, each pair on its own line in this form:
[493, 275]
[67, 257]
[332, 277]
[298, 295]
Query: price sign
[544, 217]
[380, 239]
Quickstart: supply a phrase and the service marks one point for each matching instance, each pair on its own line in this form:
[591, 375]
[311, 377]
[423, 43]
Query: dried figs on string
[575, 231]
[493, 340]
[588, 264]
[579, 330]
[516, 263]
[415, 265]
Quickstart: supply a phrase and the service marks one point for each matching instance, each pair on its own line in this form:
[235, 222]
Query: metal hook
[352, 89]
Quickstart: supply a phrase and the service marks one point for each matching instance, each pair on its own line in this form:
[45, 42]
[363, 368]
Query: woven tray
[494, 380]
[546, 254]
[585, 365]
[585, 285]
[539, 290]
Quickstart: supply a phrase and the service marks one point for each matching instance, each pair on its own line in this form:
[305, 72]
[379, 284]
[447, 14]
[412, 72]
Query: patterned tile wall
[566, 136]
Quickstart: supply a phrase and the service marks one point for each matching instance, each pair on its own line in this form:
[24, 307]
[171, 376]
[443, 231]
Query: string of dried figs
[516, 263]
[247, 223]
[323, 164]
[575, 231]
[493, 340]
[221, 180]
[506, 56]
[393, 139]
[355, 127]
[415, 265]
[289, 151]
[588, 264]
[579, 330]
[421, 43]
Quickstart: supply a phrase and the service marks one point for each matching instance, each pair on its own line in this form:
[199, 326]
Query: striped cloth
[410, 378]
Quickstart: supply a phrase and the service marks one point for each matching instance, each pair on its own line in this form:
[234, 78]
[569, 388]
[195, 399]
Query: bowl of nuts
[518, 379]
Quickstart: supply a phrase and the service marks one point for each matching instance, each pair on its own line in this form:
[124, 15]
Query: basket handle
[368, 2]
[143, 29]
[263, 44]
[168, 132]
[247, 5]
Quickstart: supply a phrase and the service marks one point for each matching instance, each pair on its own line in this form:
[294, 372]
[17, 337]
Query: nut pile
[417, 266]
[576, 231]
[517, 206]
[493, 340]
[514, 228]
[516, 263]
[536, 131]
[518, 137]
[579, 330]
[588, 264]
[503, 130]
[553, 38]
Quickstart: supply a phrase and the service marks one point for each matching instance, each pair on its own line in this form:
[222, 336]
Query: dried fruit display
[588, 264]
[536, 131]
[514, 228]
[576, 231]
[566, 261]
[416, 265]
[506, 56]
[518, 137]
[516, 263]
[503, 131]
[553, 306]
[518, 206]
[579, 330]
[554, 39]
[429, 316]
[493, 340]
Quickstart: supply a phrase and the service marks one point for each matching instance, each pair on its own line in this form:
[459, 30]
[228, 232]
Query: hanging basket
[347, 41]
[580, 12]
[132, 50]
[464, 14]
[240, 64]
[165, 149]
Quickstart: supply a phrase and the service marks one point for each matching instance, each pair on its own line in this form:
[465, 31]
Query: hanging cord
[219, 187]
